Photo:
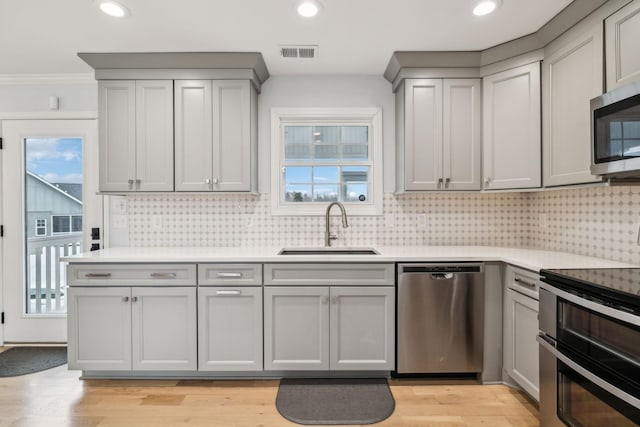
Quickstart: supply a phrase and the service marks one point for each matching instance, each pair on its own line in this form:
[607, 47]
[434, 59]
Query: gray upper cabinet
[622, 32]
[438, 134]
[136, 135]
[511, 140]
[216, 135]
[572, 74]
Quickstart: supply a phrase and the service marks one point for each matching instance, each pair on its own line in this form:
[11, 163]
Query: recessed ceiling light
[485, 7]
[113, 8]
[308, 8]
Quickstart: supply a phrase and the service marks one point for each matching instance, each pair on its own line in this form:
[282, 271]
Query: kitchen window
[321, 156]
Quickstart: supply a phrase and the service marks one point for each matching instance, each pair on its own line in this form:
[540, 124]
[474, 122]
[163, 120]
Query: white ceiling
[354, 36]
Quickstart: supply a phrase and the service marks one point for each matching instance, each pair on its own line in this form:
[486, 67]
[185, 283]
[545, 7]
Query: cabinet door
[520, 346]
[511, 131]
[99, 325]
[230, 329]
[622, 32]
[117, 133]
[362, 328]
[572, 75]
[193, 127]
[154, 135]
[423, 134]
[296, 328]
[164, 329]
[461, 121]
[231, 135]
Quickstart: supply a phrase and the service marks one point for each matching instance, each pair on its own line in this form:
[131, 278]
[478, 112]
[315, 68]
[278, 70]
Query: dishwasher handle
[442, 276]
[439, 270]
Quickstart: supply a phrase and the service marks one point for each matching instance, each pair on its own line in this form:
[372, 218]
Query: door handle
[442, 276]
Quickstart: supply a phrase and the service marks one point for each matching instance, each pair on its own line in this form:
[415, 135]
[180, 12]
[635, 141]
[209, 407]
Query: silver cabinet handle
[98, 275]
[224, 275]
[446, 182]
[207, 181]
[524, 282]
[229, 292]
[163, 275]
[439, 182]
[325, 300]
[134, 299]
[125, 299]
[215, 180]
[130, 182]
[138, 181]
[334, 300]
[487, 180]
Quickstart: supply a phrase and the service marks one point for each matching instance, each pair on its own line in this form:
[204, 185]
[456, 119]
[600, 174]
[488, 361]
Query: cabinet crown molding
[197, 63]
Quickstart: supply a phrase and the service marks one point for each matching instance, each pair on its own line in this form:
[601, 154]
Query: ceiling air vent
[304, 52]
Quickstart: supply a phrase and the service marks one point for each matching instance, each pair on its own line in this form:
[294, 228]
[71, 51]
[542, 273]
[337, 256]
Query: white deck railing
[46, 281]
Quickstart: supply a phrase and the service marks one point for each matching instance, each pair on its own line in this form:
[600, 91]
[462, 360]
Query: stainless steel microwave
[615, 133]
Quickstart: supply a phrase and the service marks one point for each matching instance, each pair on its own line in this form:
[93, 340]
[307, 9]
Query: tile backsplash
[596, 221]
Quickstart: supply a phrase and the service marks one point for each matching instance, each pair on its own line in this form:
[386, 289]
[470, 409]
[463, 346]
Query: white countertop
[531, 259]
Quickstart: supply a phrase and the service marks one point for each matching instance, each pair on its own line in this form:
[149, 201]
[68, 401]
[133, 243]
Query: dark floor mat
[26, 360]
[335, 401]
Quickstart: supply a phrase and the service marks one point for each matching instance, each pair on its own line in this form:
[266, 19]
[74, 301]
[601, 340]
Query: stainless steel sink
[328, 251]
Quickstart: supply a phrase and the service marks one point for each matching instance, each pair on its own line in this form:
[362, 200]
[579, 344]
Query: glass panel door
[53, 196]
[49, 205]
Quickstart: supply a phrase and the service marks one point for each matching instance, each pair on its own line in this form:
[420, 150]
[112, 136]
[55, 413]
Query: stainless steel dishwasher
[440, 318]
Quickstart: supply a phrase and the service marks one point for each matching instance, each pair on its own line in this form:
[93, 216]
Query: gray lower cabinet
[329, 328]
[230, 328]
[521, 362]
[132, 328]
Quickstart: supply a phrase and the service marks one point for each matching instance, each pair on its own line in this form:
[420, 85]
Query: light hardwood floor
[57, 397]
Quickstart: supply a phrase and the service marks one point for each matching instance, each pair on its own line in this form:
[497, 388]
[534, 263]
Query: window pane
[355, 152]
[325, 175]
[325, 193]
[355, 181]
[60, 224]
[297, 174]
[355, 135]
[297, 145]
[326, 135]
[297, 193]
[76, 223]
[326, 152]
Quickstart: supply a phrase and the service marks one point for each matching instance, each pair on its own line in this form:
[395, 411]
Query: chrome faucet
[328, 237]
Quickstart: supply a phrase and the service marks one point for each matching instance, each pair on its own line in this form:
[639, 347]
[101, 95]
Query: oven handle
[599, 308]
[588, 375]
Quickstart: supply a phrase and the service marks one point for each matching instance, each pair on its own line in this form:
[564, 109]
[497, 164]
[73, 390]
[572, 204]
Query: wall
[23, 94]
[602, 222]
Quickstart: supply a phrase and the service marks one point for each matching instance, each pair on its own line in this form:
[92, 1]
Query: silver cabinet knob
[134, 299]
[130, 182]
[125, 299]
[215, 180]
[487, 180]
[207, 181]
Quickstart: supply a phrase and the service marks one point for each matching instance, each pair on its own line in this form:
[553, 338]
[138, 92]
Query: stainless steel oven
[590, 348]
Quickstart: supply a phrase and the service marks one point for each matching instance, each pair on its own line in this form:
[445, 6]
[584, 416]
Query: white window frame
[372, 117]
[41, 227]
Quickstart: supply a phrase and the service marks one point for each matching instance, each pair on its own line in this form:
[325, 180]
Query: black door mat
[335, 401]
[26, 360]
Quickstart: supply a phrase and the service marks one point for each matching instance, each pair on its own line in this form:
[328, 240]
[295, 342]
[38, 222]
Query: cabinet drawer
[329, 274]
[230, 274]
[131, 275]
[523, 281]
